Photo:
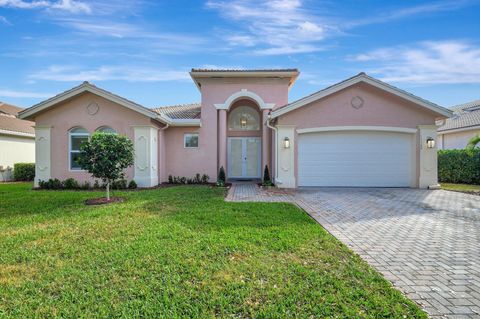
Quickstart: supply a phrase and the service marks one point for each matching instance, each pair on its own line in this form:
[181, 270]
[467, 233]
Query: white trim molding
[357, 128]
[461, 129]
[362, 77]
[42, 154]
[244, 93]
[86, 87]
[14, 133]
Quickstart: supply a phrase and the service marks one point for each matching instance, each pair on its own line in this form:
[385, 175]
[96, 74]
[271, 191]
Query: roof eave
[292, 75]
[84, 87]
[362, 77]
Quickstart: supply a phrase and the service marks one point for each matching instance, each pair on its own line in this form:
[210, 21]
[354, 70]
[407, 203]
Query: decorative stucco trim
[362, 77]
[14, 133]
[357, 128]
[244, 93]
[462, 129]
[86, 87]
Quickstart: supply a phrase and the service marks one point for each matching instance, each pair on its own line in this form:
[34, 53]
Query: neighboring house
[455, 132]
[359, 132]
[17, 140]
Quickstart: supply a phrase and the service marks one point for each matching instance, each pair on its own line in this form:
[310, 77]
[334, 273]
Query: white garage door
[357, 159]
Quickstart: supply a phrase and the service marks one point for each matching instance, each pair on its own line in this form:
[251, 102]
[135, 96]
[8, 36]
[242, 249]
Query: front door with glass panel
[244, 157]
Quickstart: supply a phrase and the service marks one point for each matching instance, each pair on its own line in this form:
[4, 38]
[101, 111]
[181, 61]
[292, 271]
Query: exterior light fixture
[286, 142]
[243, 122]
[430, 142]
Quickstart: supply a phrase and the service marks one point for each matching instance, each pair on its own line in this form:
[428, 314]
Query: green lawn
[461, 187]
[178, 252]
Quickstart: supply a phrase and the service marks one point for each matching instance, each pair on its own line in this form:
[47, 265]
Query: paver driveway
[427, 243]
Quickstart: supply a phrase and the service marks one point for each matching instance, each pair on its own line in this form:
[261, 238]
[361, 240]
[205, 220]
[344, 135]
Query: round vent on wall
[357, 102]
[92, 108]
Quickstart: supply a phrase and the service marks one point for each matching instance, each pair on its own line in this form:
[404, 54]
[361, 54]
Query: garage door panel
[369, 159]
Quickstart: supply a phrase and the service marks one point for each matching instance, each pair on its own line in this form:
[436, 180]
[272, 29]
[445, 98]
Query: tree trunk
[108, 190]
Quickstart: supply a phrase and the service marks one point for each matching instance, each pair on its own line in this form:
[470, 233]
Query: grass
[461, 187]
[178, 252]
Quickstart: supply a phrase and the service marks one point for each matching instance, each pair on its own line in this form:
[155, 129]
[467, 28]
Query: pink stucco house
[360, 132]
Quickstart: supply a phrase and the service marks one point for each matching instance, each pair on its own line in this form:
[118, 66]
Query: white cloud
[426, 62]
[23, 94]
[272, 27]
[406, 12]
[109, 73]
[4, 20]
[71, 6]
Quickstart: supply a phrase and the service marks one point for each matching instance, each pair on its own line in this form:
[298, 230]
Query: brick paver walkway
[427, 243]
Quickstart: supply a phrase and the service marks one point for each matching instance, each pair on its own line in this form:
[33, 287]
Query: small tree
[105, 156]
[266, 177]
[473, 142]
[221, 177]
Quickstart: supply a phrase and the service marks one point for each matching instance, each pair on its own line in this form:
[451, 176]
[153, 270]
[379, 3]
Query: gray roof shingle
[464, 115]
[10, 122]
[181, 111]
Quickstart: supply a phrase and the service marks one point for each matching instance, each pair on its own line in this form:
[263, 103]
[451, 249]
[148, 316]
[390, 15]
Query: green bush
[221, 178]
[24, 171]
[459, 166]
[70, 183]
[266, 177]
[119, 184]
[132, 184]
[51, 184]
[197, 179]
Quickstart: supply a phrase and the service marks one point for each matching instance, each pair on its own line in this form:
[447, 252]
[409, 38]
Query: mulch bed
[103, 200]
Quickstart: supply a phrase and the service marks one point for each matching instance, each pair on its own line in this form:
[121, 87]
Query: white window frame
[70, 151]
[185, 140]
[101, 128]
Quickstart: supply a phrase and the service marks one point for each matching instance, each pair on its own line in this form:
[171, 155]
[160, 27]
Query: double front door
[244, 156]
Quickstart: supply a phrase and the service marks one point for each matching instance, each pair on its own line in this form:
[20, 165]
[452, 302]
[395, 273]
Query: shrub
[51, 184]
[119, 184]
[474, 142]
[459, 166]
[205, 178]
[221, 177]
[96, 184]
[85, 185]
[24, 171]
[266, 177]
[197, 179]
[70, 183]
[132, 184]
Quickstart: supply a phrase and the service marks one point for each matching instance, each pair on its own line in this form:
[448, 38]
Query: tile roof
[181, 111]
[9, 109]
[246, 71]
[464, 115]
[10, 122]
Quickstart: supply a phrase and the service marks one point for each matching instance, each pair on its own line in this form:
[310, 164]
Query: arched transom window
[106, 129]
[244, 118]
[77, 136]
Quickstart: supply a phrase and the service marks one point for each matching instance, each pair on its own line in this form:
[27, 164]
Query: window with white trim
[190, 140]
[106, 129]
[77, 136]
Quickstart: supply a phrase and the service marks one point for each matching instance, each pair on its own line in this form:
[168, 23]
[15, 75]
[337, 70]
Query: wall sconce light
[286, 142]
[243, 122]
[430, 142]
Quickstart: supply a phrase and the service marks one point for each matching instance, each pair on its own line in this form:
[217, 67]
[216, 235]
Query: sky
[143, 50]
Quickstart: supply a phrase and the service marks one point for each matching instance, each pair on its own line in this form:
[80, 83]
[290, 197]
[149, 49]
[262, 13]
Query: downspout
[273, 128]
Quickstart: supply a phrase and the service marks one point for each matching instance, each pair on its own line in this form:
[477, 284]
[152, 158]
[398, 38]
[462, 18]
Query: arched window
[244, 118]
[106, 129]
[77, 136]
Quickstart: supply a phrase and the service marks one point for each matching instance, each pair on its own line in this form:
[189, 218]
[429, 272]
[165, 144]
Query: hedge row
[459, 166]
[71, 183]
[24, 171]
